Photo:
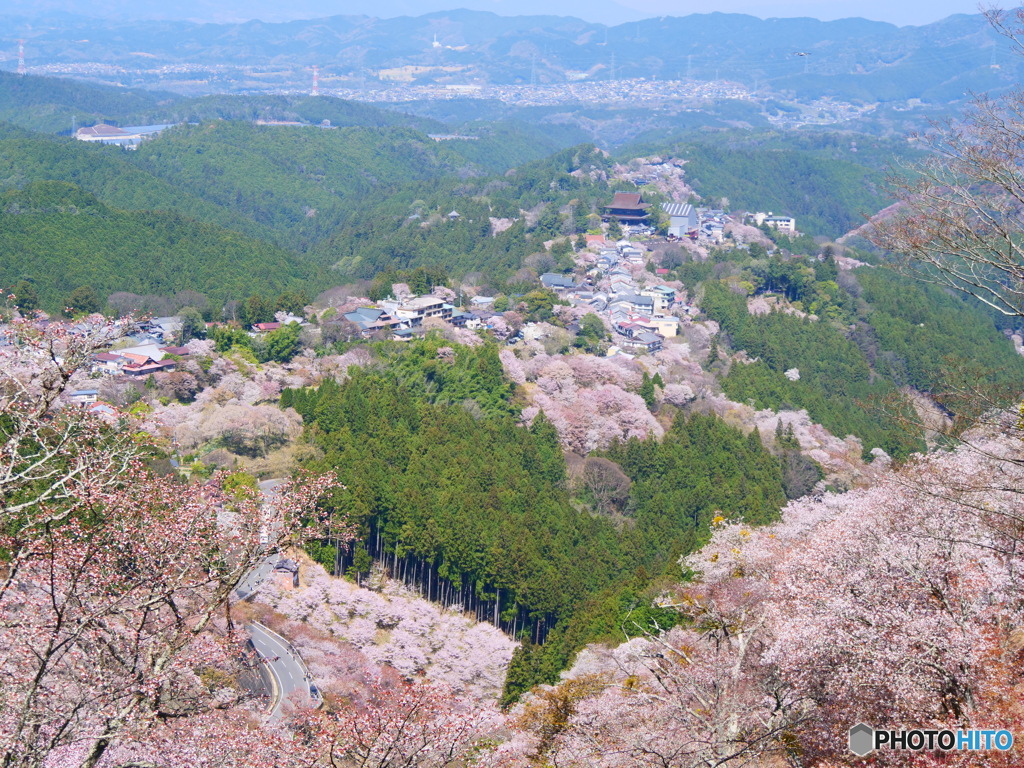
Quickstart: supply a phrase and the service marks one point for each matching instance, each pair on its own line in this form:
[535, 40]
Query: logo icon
[862, 739]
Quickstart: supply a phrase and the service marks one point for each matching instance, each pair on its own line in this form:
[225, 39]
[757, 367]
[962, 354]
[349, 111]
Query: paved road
[285, 665]
[268, 485]
[255, 577]
[285, 673]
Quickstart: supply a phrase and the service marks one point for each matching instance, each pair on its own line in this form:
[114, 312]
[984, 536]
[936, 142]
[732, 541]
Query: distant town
[389, 87]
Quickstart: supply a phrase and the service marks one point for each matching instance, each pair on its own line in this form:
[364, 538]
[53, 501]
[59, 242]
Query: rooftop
[422, 302]
[678, 209]
[628, 200]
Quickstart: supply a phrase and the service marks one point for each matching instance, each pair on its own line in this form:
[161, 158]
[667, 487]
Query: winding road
[291, 678]
[283, 671]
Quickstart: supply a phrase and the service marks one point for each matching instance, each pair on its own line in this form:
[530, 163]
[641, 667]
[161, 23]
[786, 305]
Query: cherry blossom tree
[397, 628]
[48, 448]
[895, 605]
[586, 398]
[958, 222]
[112, 577]
[398, 725]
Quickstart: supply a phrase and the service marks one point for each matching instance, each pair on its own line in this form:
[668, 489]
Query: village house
[83, 397]
[369, 320]
[632, 255]
[662, 296]
[460, 318]
[666, 325]
[408, 334]
[108, 362]
[621, 286]
[165, 329]
[634, 303]
[140, 366]
[650, 342]
[143, 360]
[414, 311]
[560, 284]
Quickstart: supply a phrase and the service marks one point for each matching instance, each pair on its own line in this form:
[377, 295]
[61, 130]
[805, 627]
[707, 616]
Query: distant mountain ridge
[215, 11]
[849, 59]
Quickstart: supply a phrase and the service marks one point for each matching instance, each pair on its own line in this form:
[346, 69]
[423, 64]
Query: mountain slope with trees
[60, 238]
[470, 508]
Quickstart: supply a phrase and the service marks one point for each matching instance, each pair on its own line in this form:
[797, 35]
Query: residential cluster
[629, 91]
[638, 315]
[403, 317]
[153, 348]
[639, 310]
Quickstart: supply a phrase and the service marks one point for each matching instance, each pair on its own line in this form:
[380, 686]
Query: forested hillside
[60, 238]
[108, 173]
[360, 199]
[415, 228]
[52, 105]
[475, 510]
[830, 182]
[876, 332]
[374, 193]
[363, 199]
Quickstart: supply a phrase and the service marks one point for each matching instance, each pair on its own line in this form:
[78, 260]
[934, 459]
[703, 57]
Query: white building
[785, 224]
[682, 218]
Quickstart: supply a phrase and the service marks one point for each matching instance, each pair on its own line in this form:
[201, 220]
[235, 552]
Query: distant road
[248, 585]
[268, 485]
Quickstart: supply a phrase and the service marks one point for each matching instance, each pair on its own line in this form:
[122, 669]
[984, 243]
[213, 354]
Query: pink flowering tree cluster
[392, 722]
[376, 714]
[244, 429]
[592, 419]
[234, 403]
[112, 578]
[48, 444]
[590, 400]
[400, 630]
[897, 606]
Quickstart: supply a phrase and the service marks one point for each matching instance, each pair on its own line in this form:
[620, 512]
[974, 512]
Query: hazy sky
[901, 12]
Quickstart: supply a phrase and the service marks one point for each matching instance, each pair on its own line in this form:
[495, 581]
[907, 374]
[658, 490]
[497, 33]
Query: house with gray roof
[635, 303]
[651, 342]
[557, 283]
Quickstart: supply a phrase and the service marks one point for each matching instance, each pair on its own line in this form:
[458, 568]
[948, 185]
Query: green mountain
[829, 180]
[53, 105]
[60, 238]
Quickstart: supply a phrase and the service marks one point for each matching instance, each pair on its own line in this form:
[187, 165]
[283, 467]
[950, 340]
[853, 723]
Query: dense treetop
[61, 238]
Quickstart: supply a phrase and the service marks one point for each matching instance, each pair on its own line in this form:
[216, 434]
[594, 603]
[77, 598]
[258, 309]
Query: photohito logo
[865, 739]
